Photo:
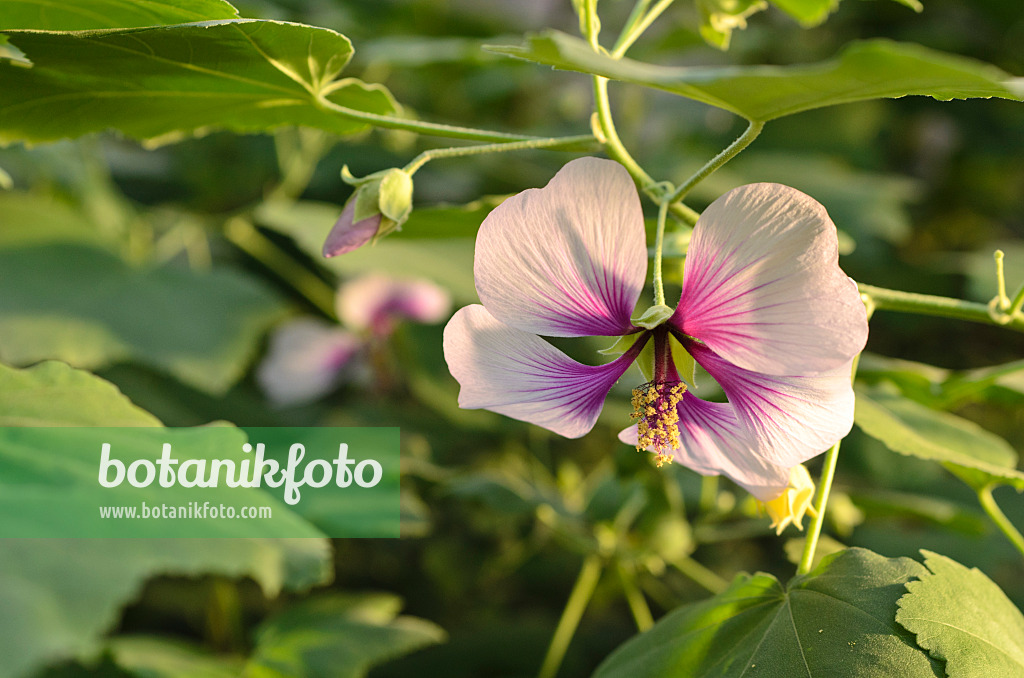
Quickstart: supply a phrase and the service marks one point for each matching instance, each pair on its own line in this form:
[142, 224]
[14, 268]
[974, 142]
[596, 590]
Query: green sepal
[395, 199]
[620, 346]
[685, 364]
[654, 316]
[645, 361]
[367, 199]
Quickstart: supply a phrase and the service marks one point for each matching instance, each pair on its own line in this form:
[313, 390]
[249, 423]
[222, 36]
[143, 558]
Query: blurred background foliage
[499, 515]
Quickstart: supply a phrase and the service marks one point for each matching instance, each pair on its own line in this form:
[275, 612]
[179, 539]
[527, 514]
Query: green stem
[927, 304]
[708, 494]
[616, 150]
[730, 152]
[637, 603]
[637, 24]
[245, 236]
[582, 591]
[814, 529]
[659, 241]
[554, 143]
[988, 503]
[700, 575]
[1017, 304]
[420, 127]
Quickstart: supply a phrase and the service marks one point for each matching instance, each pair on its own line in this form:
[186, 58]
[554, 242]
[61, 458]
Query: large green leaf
[84, 14]
[53, 394]
[870, 69]
[89, 308]
[836, 622]
[162, 82]
[963, 618]
[910, 428]
[60, 596]
[338, 636]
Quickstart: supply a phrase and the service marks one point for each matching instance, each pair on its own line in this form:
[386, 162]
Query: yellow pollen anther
[654, 408]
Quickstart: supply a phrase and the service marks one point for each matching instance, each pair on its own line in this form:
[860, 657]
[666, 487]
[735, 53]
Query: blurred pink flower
[375, 302]
[765, 309]
[304, 361]
[307, 357]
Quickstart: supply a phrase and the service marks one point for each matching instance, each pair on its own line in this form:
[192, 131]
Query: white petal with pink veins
[763, 288]
[789, 419]
[713, 442]
[520, 375]
[568, 259]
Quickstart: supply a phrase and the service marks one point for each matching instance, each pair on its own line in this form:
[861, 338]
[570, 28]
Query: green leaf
[151, 657]
[84, 14]
[33, 219]
[869, 69]
[338, 636]
[912, 429]
[836, 622]
[807, 12]
[60, 596]
[961, 617]
[54, 394]
[161, 83]
[89, 308]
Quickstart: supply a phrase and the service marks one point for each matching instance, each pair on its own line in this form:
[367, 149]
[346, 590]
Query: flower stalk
[820, 502]
[573, 143]
[579, 598]
[730, 152]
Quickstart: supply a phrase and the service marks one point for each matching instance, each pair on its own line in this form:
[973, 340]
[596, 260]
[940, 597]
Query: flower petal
[790, 419]
[713, 442]
[569, 259]
[304, 360]
[763, 288]
[375, 301]
[347, 235]
[520, 375]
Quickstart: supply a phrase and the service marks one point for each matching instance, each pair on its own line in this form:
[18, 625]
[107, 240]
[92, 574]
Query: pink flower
[765, 309]
[307, 357]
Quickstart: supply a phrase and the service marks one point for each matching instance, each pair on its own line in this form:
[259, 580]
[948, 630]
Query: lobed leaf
[86, 14]
[869, 69]
[161, 83]
[961, 617]
[836, 622]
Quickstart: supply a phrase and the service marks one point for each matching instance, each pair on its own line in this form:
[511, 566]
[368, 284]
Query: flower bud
[380, 204]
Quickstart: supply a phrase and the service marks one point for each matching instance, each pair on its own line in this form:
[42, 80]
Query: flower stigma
[654, 408]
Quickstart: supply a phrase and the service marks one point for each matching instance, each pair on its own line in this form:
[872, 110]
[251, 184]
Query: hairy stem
[988, 503]
[659, 242]
[420, 127]
[730, 152]
[574, 143]
[927, 304]
[582, 591]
